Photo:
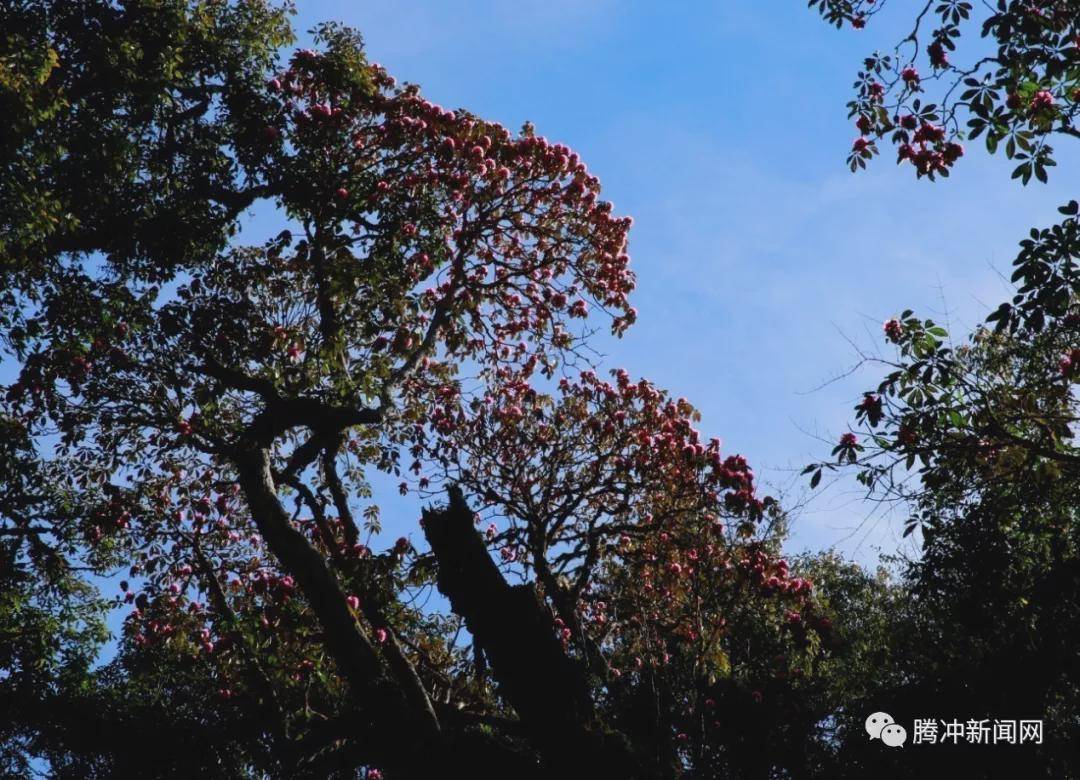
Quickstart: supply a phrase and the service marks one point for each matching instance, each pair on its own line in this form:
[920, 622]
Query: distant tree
[977, 443]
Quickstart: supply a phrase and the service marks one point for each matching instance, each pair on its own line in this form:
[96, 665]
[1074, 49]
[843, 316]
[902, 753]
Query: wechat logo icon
[880, 725]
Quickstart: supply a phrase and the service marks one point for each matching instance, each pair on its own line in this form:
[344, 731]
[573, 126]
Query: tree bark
[548, 689]
[399, 734]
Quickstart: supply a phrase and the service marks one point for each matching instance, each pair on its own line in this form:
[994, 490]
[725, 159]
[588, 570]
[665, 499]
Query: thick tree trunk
[395, 732]
[547, 688]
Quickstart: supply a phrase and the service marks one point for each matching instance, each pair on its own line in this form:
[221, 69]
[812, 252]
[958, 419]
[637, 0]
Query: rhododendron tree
[209, 415]
[937, 89]
[652, 546]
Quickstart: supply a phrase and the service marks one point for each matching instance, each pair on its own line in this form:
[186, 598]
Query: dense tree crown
[197, 423]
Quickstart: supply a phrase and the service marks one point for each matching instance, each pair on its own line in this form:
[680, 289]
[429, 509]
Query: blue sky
[721, 128]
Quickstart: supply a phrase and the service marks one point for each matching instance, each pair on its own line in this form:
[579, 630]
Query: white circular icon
[876, 722]
[894, 735]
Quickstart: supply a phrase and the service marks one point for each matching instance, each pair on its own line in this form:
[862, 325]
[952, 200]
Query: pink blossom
[1042, 99]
